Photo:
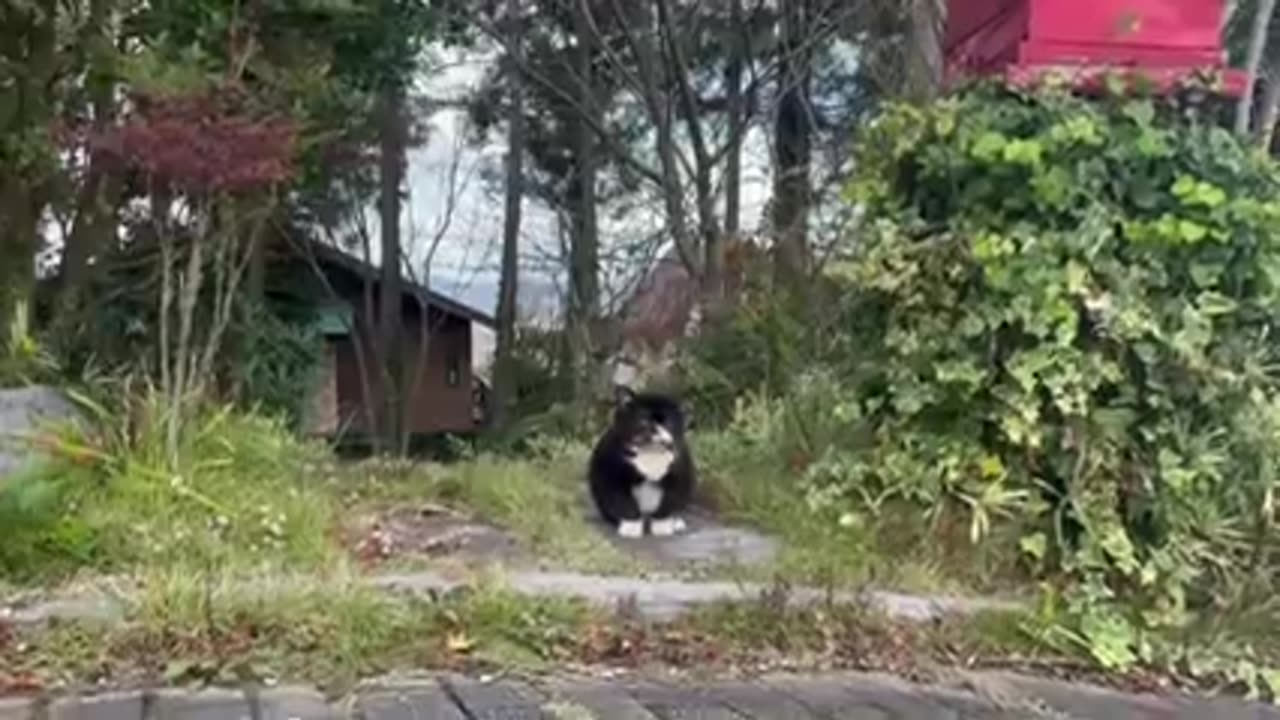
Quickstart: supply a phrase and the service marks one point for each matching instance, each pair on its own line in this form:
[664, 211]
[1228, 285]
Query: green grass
[896, 550]
[540, 499]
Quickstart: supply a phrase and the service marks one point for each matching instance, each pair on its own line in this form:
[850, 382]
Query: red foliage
[205, 142]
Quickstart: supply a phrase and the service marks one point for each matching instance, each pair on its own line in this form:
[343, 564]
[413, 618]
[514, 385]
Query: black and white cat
[641, 469]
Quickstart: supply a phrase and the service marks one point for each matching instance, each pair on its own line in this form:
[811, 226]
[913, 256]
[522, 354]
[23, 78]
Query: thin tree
[503, 373]
[392, 141]
[793, 133]
[1253, 63]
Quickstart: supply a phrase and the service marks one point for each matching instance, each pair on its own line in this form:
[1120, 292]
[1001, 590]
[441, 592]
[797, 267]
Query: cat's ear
[623, 395]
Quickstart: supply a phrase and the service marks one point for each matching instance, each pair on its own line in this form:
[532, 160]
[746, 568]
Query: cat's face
[649, 422]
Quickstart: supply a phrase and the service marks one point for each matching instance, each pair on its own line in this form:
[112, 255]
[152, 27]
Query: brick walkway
[844, 696]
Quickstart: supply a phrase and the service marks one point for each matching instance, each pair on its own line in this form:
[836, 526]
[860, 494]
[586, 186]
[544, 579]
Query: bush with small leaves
[1068, 317]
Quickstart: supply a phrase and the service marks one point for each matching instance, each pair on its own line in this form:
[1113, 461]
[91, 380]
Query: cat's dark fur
[647, 430]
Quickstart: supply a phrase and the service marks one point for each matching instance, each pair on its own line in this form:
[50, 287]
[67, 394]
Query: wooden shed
[436, 345]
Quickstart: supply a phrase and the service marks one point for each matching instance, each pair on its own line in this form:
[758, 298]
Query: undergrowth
[1044, 351]
[241, 496]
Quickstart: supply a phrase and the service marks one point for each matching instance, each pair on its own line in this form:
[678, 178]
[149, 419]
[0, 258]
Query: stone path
[706, 542]
[844, 696]
[650, 598]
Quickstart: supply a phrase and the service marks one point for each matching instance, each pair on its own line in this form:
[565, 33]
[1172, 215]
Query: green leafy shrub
[273, 359]
[1068, 310]
[43, 536]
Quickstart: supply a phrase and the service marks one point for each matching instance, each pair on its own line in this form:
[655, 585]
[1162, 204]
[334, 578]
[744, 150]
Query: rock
[705, 542]
[22, 411]
[107, 706]
[206, 704]
[419, 701]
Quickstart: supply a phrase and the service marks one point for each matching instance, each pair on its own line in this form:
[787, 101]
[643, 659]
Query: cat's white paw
[667, 527]
[631, 528]
[679, 524]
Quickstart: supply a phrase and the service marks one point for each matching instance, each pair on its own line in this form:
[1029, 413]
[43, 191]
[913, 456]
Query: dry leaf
[458, 642]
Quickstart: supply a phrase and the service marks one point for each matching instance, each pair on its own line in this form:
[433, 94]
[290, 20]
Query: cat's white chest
[648, 497]
[653, 464]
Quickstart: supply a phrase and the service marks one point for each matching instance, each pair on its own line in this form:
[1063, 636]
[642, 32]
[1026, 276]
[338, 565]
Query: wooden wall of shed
[437, 405]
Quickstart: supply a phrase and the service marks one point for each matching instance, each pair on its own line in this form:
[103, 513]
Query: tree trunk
[927, 22]
[28, 41]
[256, 289]
[584, 251]
[18, 245]
[1253, 63]
[95, 221]
[717, 305]
[390, 316]
[733, 164]
[504, 380]
[1265, 131]
[793, 129]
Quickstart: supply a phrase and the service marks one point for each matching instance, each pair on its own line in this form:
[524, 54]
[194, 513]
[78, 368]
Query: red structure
[1166, 41]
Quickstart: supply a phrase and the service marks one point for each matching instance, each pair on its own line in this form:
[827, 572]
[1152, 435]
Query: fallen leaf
[458, 642]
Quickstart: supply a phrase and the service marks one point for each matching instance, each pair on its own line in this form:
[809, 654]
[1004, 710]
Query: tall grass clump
[240, 493]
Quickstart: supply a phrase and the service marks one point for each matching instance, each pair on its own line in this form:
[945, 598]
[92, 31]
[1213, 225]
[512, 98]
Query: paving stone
[982, 696]
[497, 700]
[706, 541]
[207, 704]
[603, 700]
[1086, 702]
[657, 599]
[759, 701]
[426, 701]
[830, 698]
[681, 703]
[95, 609]
[294, 703]
[16, 709]
[106, 706]
[919, 609]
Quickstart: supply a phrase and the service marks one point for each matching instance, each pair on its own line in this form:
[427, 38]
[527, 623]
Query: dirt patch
[426, 531]
[437, 535]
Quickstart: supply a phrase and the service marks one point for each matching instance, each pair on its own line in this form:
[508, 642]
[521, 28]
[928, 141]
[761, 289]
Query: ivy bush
[1066, 318]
